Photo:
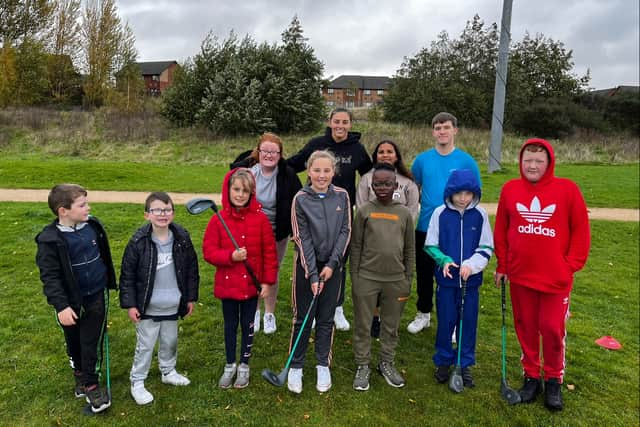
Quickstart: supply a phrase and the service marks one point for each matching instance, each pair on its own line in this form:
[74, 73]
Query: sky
[372, 37]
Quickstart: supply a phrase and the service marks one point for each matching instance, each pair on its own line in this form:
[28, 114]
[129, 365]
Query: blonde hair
[245, 176]
[323, 154]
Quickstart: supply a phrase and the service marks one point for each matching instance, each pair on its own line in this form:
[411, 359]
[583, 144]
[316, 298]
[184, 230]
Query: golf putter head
[455, 381]
[198, 205]
[273, 379]
[510, 395]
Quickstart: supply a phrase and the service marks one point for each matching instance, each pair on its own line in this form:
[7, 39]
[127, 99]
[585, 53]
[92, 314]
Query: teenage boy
[76, 270]
[542, 238]
[158, 283]
[382, 259]
[431, 170]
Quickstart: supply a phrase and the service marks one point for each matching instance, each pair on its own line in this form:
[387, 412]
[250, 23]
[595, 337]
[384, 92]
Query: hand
[67, 317]
[190, 306]
[265, 290]
[239, 254]
[317, 287]
[465, 272]
[447, 266]
[498, 278]
[134, 314]
[326, 273]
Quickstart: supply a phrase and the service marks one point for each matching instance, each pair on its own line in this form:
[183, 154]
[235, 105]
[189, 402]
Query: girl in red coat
[233, 285]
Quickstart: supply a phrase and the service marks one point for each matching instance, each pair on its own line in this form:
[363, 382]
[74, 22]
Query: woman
[276, 184]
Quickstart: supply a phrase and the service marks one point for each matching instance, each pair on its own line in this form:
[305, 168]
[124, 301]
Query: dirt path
[6, 195]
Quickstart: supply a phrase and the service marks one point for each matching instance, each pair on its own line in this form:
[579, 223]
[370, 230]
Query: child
[158, 282]
[233, 285]
[382, 259]
[76, 270]
[321, 220]
[460, 242]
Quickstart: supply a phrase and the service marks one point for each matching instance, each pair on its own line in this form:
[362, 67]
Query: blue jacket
[465, 237]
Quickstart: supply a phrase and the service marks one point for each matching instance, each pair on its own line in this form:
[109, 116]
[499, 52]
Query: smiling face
[159, 214]
[444, 134]
[534, 165]
[321, 172]
[77, 213]
[386, 154]
[340, 124]
[269, 153]
[383, 183]
[239, 193]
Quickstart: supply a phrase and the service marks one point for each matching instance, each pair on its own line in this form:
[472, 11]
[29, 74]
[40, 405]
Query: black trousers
[238, 312]
[425, 266]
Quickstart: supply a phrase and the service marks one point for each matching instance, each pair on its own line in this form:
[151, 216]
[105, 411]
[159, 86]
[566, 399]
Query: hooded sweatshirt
[251, 230]
[542, 234]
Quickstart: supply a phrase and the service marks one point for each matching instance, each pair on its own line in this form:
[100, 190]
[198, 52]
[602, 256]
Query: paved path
[96, 196]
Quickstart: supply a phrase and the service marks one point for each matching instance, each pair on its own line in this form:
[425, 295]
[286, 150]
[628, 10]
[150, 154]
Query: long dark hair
[399, 164]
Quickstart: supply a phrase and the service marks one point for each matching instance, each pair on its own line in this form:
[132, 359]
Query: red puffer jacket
[252, 230]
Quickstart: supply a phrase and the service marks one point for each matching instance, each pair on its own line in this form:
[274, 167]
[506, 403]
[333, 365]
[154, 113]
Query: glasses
[269, 153]
[158, 211]
[383, 184]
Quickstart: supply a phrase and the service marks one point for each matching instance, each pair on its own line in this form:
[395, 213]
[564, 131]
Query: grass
[37, 383]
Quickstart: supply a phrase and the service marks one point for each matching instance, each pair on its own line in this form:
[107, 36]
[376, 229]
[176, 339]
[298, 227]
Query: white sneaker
[324, 378]
[174, 378]
[422, 320]
[341, 322]
[269, 323]
[140, 394]
[256, 322]
[294, 380]
[453, 337]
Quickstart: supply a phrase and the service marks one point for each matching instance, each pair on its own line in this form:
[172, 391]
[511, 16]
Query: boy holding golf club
[460, 242]
[382, 259]
[159, 282]
[240, 243]
[76, 270]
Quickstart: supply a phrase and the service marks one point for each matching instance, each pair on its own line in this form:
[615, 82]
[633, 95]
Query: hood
[552, 158]
[462, 180]
[253, 205]
[352, 137]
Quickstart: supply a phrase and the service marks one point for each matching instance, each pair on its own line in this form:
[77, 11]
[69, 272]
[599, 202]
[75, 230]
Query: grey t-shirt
[165, 298]
[266, 192]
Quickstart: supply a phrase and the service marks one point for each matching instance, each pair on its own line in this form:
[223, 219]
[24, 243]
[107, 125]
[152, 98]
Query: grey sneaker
[227, 376]
[361, 380]
[242, 380]
[97, 398]
[390, 374]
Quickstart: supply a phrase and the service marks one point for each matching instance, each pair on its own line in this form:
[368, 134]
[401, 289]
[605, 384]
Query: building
[618, 90]
[356, 91]
[157, 75]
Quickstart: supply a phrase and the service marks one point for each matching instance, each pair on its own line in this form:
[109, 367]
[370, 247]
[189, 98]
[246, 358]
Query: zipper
[146, 288]
[461, 247]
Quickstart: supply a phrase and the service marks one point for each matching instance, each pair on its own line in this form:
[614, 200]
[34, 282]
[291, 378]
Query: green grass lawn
[37, 386]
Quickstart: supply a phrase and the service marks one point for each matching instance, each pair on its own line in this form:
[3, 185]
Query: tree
[20, 19]
[7, 75]
[64, 47]
[31, 87]
[129, 93]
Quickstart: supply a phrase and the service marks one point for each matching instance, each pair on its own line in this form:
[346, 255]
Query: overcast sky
[372, 37]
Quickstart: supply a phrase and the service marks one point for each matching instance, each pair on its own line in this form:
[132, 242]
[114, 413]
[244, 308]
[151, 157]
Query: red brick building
[356, 91]
[157, 75]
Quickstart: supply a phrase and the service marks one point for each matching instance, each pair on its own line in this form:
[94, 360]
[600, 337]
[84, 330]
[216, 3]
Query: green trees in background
[237, 86]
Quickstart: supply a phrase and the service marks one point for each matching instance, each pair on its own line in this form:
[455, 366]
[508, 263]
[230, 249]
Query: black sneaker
[441, 374]
[467, 378]
[375, 327]
[97, 398]
[79, 389]
[553, 394]
[530, 390]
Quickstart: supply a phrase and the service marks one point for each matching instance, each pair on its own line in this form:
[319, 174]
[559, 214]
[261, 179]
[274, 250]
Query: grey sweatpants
[147, 333]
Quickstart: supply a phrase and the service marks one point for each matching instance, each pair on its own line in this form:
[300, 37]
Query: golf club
[279, 379]
[197, 206]
[456, 383]
[106, 347]
[510, 395]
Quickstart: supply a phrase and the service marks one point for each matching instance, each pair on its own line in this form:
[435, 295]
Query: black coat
[59, 283]
[139, 263]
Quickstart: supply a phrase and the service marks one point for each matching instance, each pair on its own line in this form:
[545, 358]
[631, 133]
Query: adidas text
[537, 229]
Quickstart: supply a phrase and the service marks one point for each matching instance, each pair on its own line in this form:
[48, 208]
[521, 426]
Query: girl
[233, 285]
[321, 221]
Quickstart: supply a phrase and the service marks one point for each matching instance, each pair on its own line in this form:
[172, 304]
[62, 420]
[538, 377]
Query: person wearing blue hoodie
[460, 241]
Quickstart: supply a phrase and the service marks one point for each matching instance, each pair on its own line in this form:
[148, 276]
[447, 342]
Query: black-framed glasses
[269, 153]
[383, 184]
[158, 211]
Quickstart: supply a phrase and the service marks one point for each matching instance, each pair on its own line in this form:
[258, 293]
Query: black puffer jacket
[139, 263]
[59, 283]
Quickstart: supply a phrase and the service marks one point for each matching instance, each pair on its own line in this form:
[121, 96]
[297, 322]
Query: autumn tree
[20, 19]
[64, 46]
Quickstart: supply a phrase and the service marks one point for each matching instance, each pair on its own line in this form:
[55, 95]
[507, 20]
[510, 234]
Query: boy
[158, 282]
[76, 270]
[542, 238]
[381, 263]
[431, 170]
[460, 242]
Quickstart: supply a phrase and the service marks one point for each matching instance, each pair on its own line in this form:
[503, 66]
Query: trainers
[97, 398]
[79, 389]
[256, 322]
[375, 327]
[324, 378]
[341, 322]
[553, 394]
[140, 394]
[441, 374]
[467, 378]
[174, 378]
[361, 380]
[227, 375]
[269, 323]
[390, 374]
[422, 320]
[294, 380]
[242, 380]
[530, 390]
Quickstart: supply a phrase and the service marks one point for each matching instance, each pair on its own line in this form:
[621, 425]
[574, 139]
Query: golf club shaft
[304, 322]
[464, 291]
[504, 327]
[106, 344]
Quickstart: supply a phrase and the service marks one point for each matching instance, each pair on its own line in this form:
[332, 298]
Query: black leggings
[235, 312]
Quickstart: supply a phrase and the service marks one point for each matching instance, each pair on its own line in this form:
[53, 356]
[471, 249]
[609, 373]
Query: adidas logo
[338, 209]
[535, 215]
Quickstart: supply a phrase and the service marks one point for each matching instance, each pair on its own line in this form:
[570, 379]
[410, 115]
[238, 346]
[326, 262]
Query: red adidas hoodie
[541, 234]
